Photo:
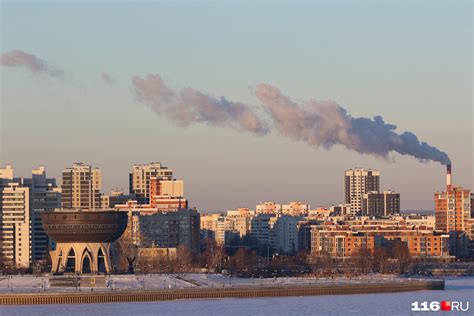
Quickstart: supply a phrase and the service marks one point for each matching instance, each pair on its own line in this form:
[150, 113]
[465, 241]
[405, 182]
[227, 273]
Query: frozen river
[458, 289]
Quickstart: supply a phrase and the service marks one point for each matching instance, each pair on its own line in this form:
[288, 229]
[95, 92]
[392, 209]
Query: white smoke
[188, 106]
[18, 58]
[327, 124]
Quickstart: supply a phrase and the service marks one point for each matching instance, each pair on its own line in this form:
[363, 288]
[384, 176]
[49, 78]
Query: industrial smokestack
[449, 185]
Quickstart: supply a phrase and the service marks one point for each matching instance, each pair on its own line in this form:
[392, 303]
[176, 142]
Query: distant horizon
[192, 205]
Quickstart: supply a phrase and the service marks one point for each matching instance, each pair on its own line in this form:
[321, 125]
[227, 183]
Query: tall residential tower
[452, 211]
[139, 179]
[358, 182]
[81, 186]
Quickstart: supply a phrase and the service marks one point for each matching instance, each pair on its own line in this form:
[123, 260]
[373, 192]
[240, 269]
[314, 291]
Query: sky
[409, 62]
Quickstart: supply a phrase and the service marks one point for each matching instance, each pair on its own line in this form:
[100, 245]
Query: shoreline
[209, 293]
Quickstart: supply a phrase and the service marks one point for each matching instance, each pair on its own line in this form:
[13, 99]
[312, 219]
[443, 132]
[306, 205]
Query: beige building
[268, 208]
[172, 187]
[223, 228]
[295, 209]
[214, 226]
[6, 173]
[358, 182]
[240, 220]
[140, 178]
[81, 187]
[15, 225]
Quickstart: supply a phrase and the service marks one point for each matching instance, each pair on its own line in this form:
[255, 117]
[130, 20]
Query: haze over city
[71, 92]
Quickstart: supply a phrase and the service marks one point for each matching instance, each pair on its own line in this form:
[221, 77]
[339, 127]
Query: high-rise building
[452, 211]
[81, 186]
[452, 207]
[15, 225]
[358, 182]
[139, 179]
[472, 204]
[44, 196]
[381, 203]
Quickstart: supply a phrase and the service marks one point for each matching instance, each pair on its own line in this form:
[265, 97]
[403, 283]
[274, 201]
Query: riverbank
[242, 291]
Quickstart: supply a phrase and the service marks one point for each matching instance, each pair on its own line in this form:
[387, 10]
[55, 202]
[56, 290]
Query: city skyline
[176, 185]
[80, 105]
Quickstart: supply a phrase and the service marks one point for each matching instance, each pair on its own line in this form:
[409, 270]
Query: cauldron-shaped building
[83, 239]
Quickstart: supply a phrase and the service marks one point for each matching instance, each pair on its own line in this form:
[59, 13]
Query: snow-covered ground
[461, 289]
[30, 283]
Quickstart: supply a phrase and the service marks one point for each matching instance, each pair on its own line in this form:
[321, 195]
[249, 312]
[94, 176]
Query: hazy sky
[411, 63]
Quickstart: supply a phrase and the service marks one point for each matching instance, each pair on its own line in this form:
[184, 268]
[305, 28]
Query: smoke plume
[327, 124]
[18, 58]
[188, 106]
[108, 78]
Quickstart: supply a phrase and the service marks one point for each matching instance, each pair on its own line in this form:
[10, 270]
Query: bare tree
[364, 260]
[380, 260]
[213, 255]
[184, 258]
[243, 261]
[399, 251]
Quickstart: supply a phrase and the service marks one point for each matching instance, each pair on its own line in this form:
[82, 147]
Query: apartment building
[15, 247]
[80, 187]
[139, 179]
[358, 182]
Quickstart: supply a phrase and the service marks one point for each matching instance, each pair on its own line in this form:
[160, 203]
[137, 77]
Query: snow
[385, 304]
[29, 283]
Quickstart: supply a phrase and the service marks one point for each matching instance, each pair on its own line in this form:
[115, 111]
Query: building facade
[381, 203]
[452, 211]
[15, 247]
[170, 229]
[139, 179]
[44, 196]
[295, 209]
[358, 182]
[80, 187]
[285, 231]
[347, 241]
[268, 208]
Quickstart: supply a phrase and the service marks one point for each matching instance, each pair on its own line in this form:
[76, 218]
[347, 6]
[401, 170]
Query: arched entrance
[86, 264]
[101, 262]
[71, 262]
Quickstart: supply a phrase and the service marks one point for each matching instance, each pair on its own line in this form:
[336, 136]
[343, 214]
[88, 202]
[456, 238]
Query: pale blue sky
[409, 62]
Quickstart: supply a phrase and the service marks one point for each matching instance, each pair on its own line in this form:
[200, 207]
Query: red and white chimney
[449, 185]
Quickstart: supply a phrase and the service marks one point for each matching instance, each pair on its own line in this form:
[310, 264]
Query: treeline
[244, 261]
